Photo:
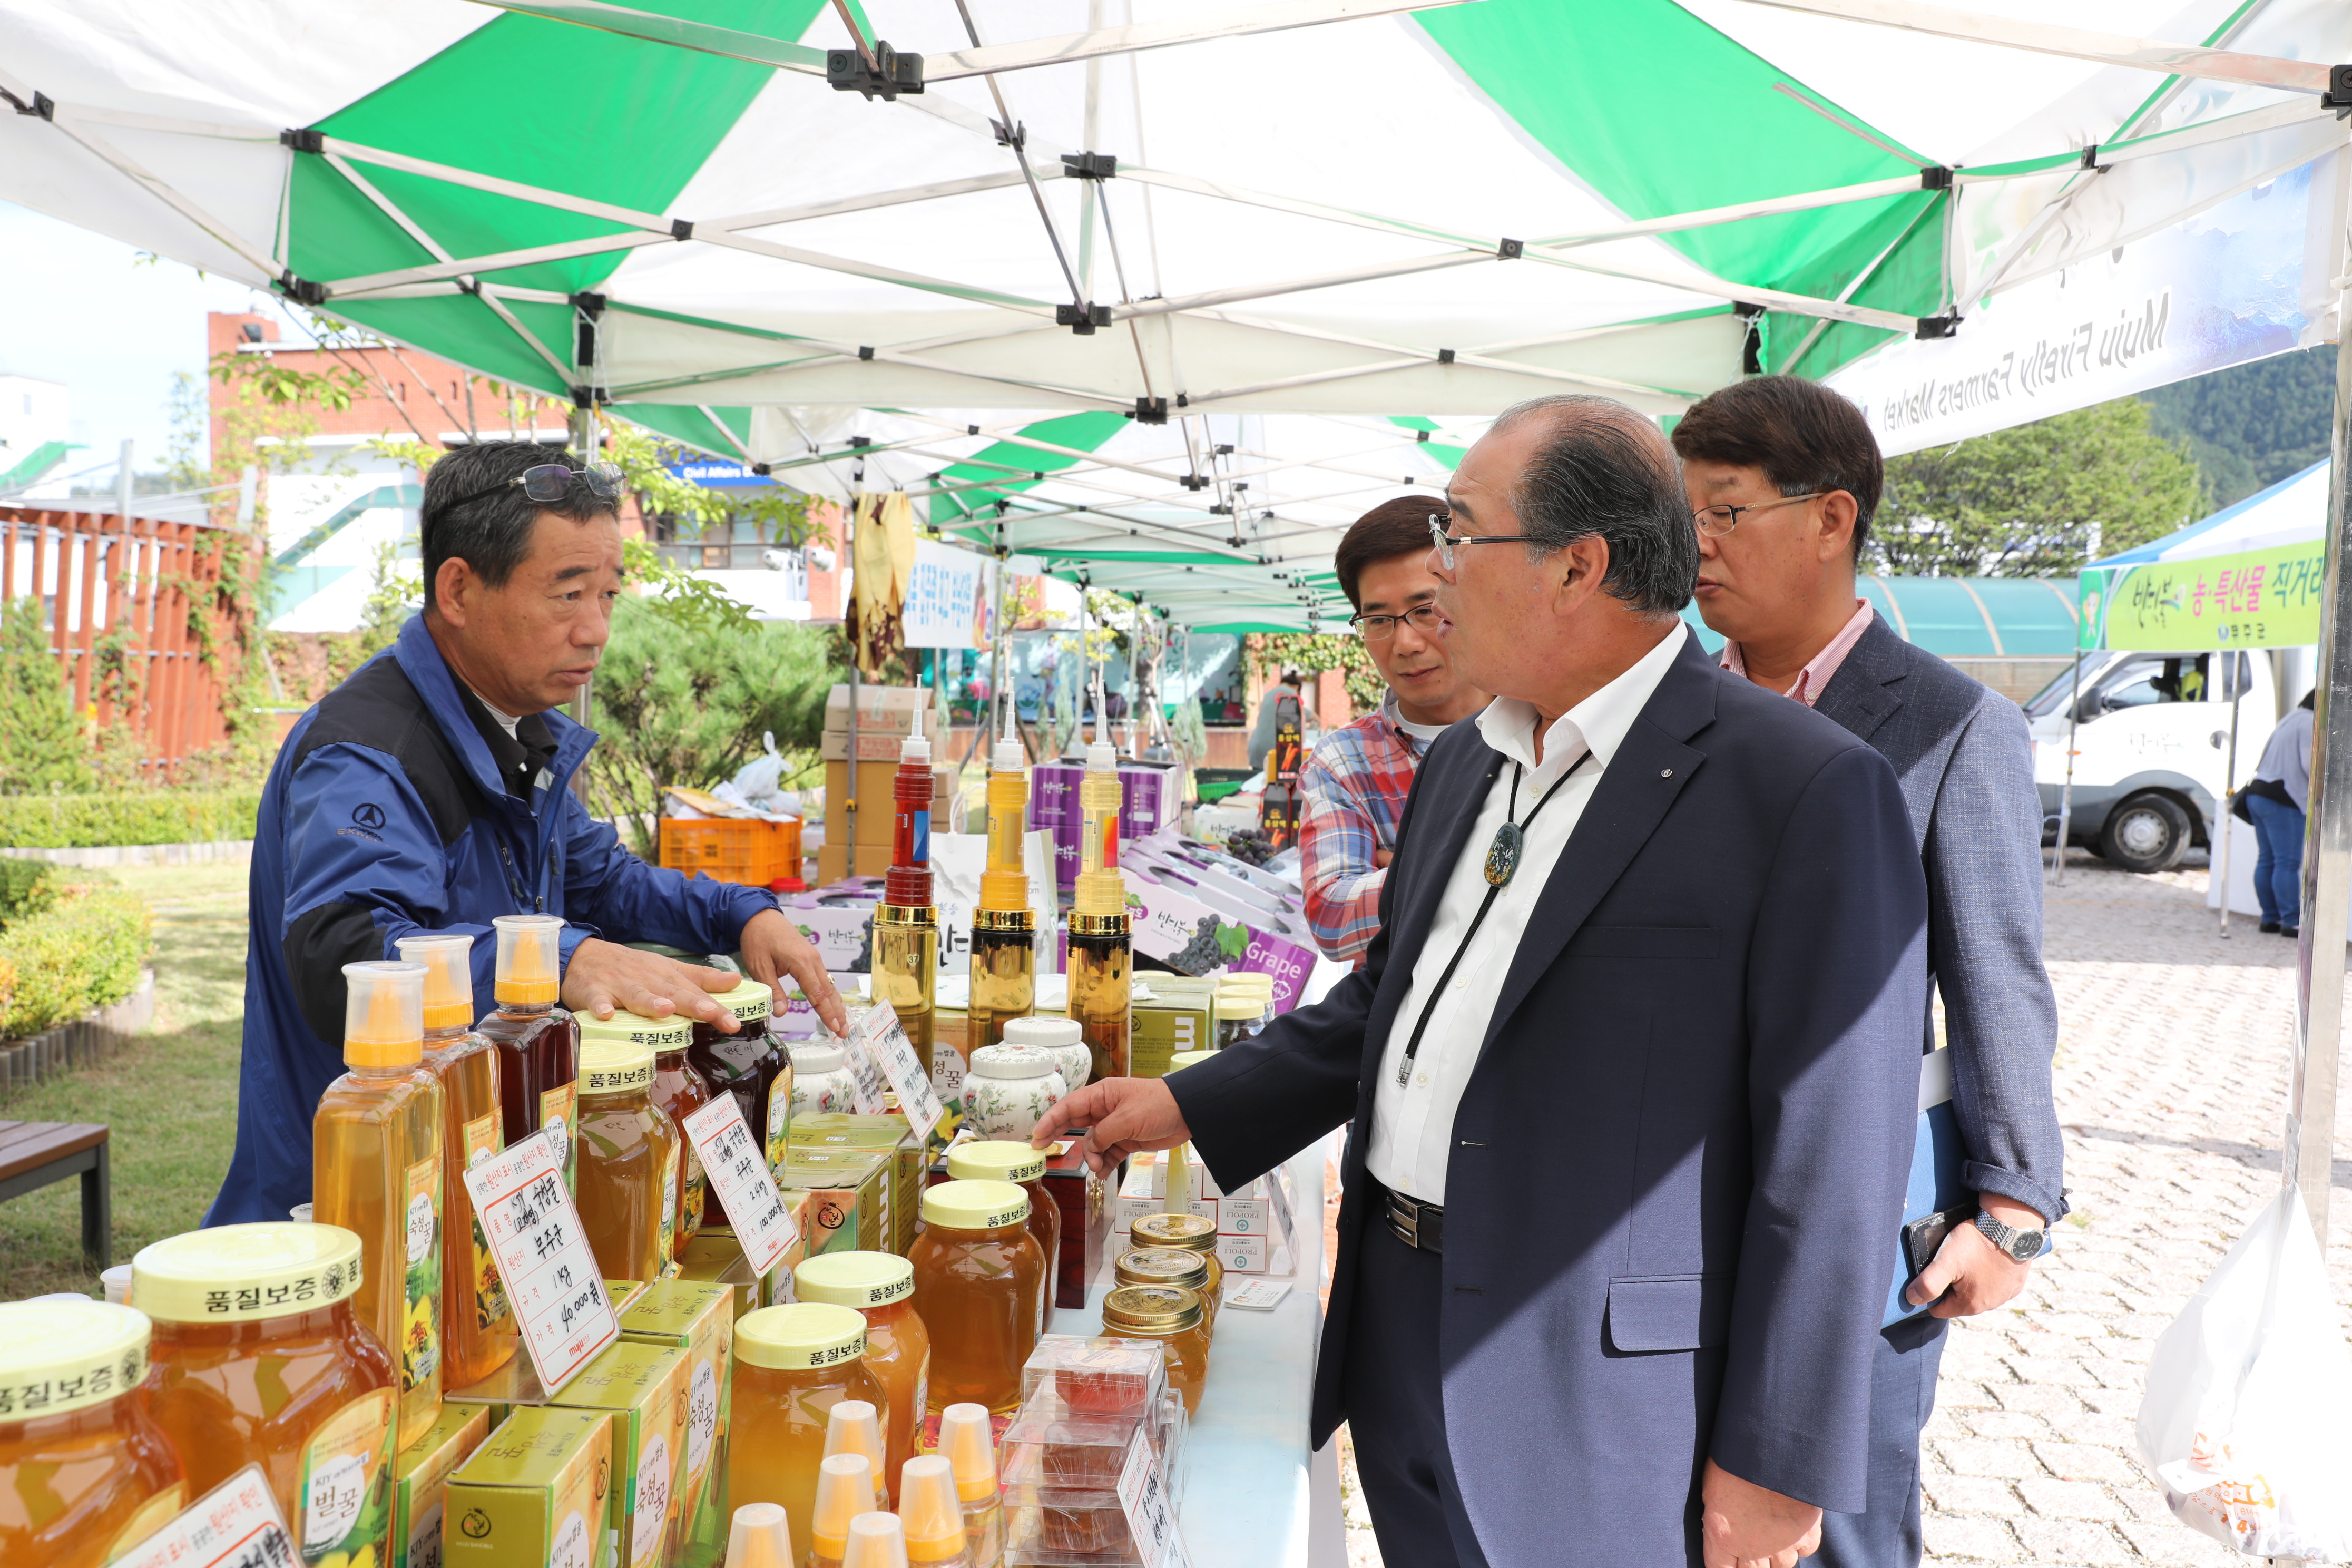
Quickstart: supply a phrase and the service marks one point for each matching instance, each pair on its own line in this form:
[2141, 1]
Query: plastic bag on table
[2244, 1421]
[757, 783]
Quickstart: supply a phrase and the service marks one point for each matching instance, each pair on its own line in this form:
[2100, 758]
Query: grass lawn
[170, 1095]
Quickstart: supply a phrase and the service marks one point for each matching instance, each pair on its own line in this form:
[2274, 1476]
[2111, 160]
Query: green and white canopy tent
[1173, 290]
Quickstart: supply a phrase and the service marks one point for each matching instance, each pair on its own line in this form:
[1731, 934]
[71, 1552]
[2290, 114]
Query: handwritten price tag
[542, 1252]
[234, 1525]
[737, 1169]
[880, 1035]
[865, 1080]
[1144, 1500]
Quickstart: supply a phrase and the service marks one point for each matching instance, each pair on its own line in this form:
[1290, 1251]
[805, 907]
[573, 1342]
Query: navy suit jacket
[1680, 1159]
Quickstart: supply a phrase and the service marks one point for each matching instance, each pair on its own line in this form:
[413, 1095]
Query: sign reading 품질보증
[737, 1169]
[234, 1525]
[552, 1277]
[878, 1045]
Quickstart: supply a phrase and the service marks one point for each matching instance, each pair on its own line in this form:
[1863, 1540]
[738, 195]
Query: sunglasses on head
[547, 483]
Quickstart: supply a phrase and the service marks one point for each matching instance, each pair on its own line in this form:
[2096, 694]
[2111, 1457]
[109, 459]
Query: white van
[2151, 762]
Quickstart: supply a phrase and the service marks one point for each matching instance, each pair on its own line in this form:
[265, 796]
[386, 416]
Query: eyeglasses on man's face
[1714, 521]
[1445, 542]
[1423, 618]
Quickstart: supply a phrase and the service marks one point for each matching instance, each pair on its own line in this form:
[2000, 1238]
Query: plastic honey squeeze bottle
[846, 1485]
[970, 1453]
[907, 922]
[375, 1171]
[538, 1041]
[1003, 928]
[757, 1537]
[853, 1427]
[932, 1514]
[1102, 958]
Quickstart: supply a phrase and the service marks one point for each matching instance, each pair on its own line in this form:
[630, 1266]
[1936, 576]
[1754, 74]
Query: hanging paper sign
[542, 1253]
[735, 1165]
[1149, 1519]
[881, 1037]
[949, 597]
[234, 1525]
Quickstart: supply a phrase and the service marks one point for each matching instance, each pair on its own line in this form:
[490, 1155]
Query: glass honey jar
[897, 1344]
[680, 1091]
[792, 1365]
[629, 1151]
[980, 1276]
[258, 1358]
[1185, 1233]
[752, 1064]
[1172, 1315]
[999, 1160]
[1170, 1266]
[85, 1473]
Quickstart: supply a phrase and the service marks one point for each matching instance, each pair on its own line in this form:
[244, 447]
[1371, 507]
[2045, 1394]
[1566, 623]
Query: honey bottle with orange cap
[375, 1170]
[478, 1330]
[538, 1040]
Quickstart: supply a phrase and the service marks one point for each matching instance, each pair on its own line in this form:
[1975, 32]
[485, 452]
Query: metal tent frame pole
[2066, 792]
[2235, 672]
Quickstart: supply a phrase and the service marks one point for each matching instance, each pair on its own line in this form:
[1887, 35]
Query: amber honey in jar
[897, 1345]
[1172, 1315]
[629, 1164]
[375, 1170]
[752, 1064]
[258, 1358]
[477, 1325]
[1169, 1266]
[792, 1365]
[680, 1091]
[85, 1473]
[538, 1041]
[1185, 1233]
[979, 1278]
[999, 1160]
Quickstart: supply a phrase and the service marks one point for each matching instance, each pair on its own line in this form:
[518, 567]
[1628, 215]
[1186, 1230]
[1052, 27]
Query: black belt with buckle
[1413, 1222]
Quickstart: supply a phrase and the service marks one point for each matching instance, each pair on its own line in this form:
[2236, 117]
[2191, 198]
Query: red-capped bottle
[908, 881]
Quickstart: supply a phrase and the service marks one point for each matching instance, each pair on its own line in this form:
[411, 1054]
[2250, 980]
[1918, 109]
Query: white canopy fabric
[2292, 511]
[1307, 235]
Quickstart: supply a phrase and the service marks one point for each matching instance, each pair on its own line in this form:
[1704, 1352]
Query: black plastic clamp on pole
[761, 469]
[303, 141]
[1420, 435]
[42, 107]
[1934, 177]
[2091, 157]
[858, 442]
[1090, 165]
[1082, 319]
[865, 351]
[1947, 325]
[1183, 400]
[680, 230]
[1445, 356]
[1194, 481]
[590, 309]
[1510, 249]
[2339, 96]
[1151, 411]
[591, 397]
[301, 291]
[892, 73]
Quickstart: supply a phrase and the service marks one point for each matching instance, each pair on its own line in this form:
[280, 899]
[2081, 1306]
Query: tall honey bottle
[1003, 929]
[907, 922]
[478, 1324]
[1102, 955]
[538, 1041]
[375, 1170]
[631, 1164]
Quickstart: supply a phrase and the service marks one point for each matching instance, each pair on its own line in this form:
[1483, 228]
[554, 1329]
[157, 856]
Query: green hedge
[83, 951]
[127, 817]
[26, 888]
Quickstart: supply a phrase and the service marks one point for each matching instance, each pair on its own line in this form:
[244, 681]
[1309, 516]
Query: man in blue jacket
[430, 791]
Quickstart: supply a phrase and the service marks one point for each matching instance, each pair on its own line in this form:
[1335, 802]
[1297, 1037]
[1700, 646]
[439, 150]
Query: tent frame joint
[886, 75]
[1090, 165]
[1947, 325]
[2336, 99]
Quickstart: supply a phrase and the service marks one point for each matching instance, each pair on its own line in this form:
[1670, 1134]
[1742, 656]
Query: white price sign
[737, 1169]
[1144, 1500]
[234, 1525]
[882, 1039]
[552, 1277]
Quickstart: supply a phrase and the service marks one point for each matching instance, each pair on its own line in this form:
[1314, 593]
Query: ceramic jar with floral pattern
[1010, 1090]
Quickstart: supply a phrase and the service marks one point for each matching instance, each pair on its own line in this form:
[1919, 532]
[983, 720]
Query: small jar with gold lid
[1172, 1315]
[1172, 1266]
[1185, 1233]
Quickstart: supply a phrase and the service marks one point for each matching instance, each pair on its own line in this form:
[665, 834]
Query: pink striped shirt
[1822, 666]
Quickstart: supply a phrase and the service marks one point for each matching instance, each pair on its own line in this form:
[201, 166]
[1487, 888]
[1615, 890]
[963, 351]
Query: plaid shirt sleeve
[1353, 790]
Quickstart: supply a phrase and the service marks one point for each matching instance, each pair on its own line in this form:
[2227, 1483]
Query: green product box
[838, 1130]
[532, 1496]
[716, 1258]
[849, 1191]
[644, 1388]
[1160, 1028]
[420, 1483]
[698, 1320]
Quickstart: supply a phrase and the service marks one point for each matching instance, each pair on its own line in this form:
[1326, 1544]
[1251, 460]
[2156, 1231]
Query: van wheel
[2146, 832]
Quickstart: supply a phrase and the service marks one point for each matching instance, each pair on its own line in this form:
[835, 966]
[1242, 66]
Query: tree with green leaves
[43, 743]
[2034, 501]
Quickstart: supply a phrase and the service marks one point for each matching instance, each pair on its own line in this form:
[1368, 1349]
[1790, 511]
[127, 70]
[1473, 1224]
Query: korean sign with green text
[2256, 598]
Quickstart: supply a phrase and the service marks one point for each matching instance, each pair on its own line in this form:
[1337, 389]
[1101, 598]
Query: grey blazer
[1959, 750]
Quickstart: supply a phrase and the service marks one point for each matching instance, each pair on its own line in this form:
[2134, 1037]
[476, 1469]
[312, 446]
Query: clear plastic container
[979, 1276]
[751, 1064]
[85, 1472]
[1061, 1491]
[1172, 1315]
[629, 1161]
[376, 1170]
[539, 1065]
[1096, 1376]
[897, 1344]
[258, 1358]
[854, 1427]
[792, 1365]
[478, 1333]
[987, 1159]
[933, 1515]
[844, 1489]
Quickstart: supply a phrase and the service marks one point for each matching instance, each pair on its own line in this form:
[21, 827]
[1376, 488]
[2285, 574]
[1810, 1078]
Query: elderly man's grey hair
[1603, 468]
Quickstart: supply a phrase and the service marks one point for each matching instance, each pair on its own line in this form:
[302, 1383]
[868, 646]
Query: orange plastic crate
[752, 853]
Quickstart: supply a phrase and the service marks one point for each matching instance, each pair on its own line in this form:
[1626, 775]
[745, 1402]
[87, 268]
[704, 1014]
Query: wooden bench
[35, 1153]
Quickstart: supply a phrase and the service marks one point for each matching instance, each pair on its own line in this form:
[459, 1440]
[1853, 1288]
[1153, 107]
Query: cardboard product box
[1255, 1230]
[534, 1494]
[843, 937]
[420, 1484]
[883, 708]
[1146, 799]
[873, 745]
[698, 1320]
[835, 861]
[1160, 1028]
[849, 1193]
[1192, 937]
[877, 806]
[893, 1134]
[1054, 796]
[715, 1258]
[644, 1388]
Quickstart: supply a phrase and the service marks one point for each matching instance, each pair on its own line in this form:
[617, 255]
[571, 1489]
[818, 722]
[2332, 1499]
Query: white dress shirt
[1412, 1123]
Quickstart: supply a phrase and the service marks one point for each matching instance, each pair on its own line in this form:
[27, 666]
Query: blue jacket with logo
[384, 817]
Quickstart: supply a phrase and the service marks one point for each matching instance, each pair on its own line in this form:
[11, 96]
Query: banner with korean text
[2256, 598]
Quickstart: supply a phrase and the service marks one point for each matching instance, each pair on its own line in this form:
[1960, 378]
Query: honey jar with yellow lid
[1001, 1160]
[85, 1473]
[258, 1358]
[630, 1162]
[978, 1280]
[897, 1345]
[792, 1365]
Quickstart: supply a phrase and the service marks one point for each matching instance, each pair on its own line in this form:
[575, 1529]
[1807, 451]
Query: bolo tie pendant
[1503, 855]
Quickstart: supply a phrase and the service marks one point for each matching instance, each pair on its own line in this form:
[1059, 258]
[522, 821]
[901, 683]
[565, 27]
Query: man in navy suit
[1632, 1064]
[1783, 477]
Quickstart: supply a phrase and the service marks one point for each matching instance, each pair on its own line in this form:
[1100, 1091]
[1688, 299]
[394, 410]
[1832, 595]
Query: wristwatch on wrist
[2024, 1246]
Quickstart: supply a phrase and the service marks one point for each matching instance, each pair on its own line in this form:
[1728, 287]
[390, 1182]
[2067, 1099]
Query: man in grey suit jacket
[1783, 477]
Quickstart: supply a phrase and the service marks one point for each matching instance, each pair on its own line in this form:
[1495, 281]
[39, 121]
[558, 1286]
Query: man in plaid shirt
[1355, 783]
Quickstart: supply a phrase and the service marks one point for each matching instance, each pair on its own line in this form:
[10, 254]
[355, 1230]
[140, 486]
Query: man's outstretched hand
[1122, 1115]
[1743, 1525]
[774, 948]
[603, 975]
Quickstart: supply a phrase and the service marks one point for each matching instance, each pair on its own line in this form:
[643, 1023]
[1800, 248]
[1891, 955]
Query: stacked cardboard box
[1256, 1231]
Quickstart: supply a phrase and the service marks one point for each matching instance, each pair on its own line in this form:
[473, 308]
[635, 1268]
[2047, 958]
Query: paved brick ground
[2171, 1078]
